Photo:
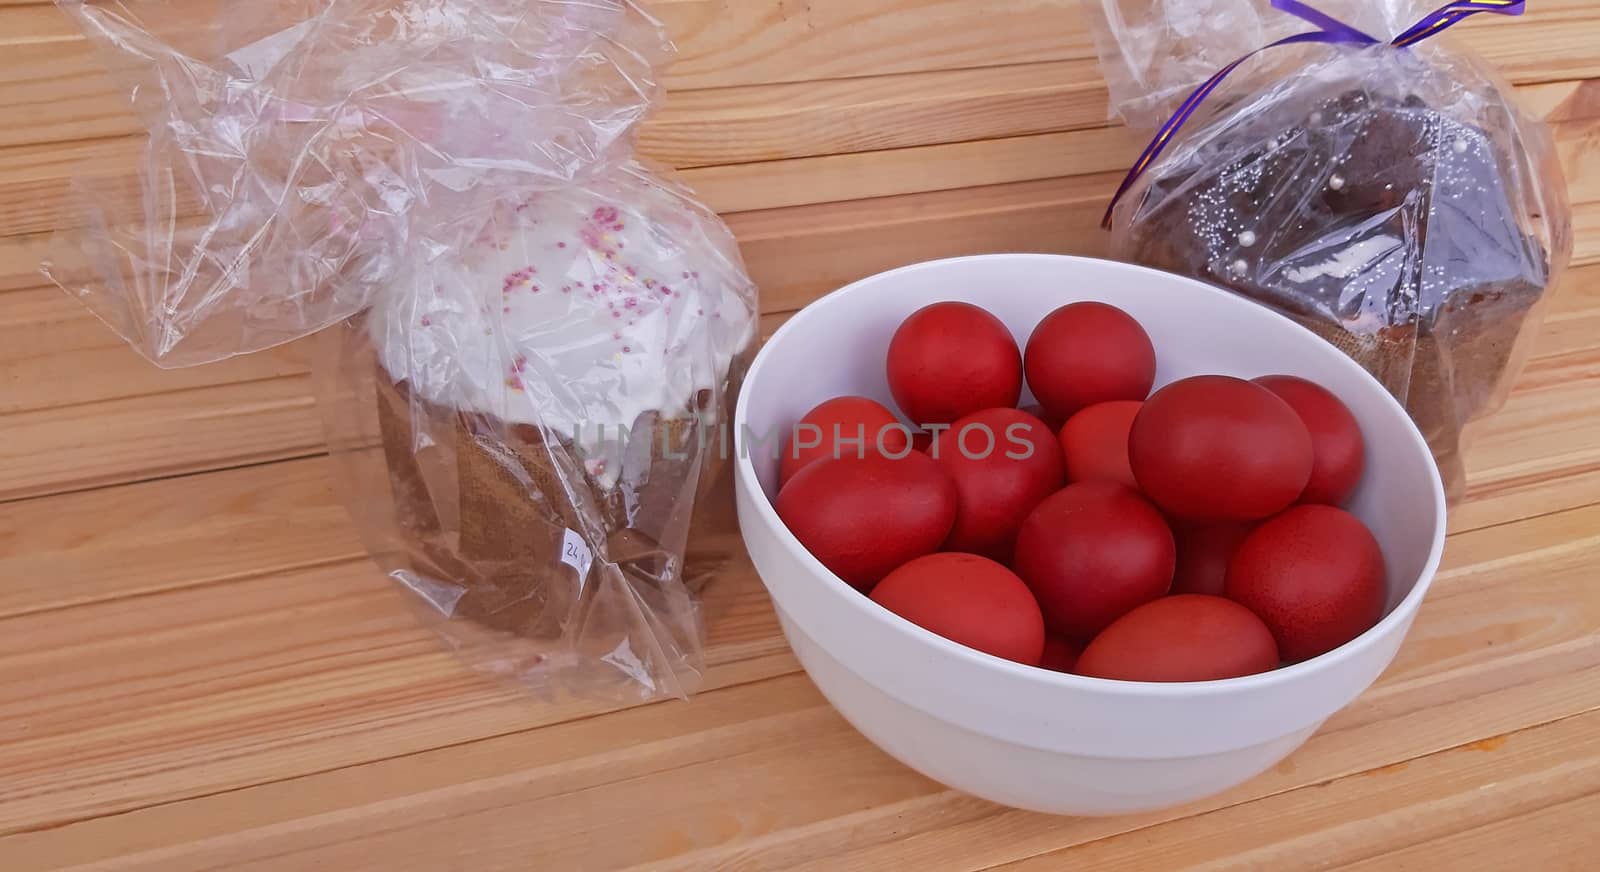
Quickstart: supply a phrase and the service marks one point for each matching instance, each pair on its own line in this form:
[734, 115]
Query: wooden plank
[40, 199]
[118, 542]
[762, 124]
[1047, 215]
[35, 180]
[775, 713]
[1571, 100]
[1522, 53]
[774, 122]
[796, 253]
[67, 94]
[1537, 452]
[54, 352]
[875, 113]
[1060, 215]
[1570, 312]
[1515, 470]
[851, 240]
[935, 135]
[117, 440]
[37, 183]
[45, 204]
[20, 257]
[1586, 233]
[765, 125]
[1502, 496]
[722, 43]
[1043, 215]
[1474, 668]
[48, 67]
[1053, 215]
[215, 638]
[193, 691]
[97, 444]
[1363, 821]
[757, 122]
[38, 178]
[1557, 839]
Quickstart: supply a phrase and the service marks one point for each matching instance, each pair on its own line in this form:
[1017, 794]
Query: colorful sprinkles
[628, 290]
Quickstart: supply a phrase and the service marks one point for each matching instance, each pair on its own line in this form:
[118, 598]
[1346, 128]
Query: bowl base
[1031, 779]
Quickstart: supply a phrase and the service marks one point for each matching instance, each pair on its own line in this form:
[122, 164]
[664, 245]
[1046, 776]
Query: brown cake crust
[483, 507]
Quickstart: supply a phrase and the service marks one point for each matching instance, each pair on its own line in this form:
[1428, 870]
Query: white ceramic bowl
[1027, 737]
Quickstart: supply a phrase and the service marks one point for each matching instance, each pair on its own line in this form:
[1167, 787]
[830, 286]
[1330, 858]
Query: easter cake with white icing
[560, 384]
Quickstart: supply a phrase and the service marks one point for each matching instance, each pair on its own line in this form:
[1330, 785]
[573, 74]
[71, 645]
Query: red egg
[1091, 553]
[1087, 353]
[922, 440]
[967, 599]
[1004, 463]
[1095, 442]
[1214, 448]
[1337, 447]
[844, 426]
[1204, 552]
[949, 360]
[1060, 654]
[1315, 575]
[863, 516]
[1185, 637]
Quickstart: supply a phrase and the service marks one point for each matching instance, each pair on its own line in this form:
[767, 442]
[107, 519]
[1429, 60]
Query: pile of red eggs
[1193, 534]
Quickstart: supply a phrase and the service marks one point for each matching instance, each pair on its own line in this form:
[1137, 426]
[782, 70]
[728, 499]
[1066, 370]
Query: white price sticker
[576, 554]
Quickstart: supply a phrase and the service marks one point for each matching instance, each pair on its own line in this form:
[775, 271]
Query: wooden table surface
[200, 669]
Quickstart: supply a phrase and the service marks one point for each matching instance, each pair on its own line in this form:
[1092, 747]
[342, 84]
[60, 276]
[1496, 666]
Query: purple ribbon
[1331, 31]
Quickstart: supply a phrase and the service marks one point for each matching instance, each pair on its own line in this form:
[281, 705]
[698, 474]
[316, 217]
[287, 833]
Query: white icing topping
[577, 309]
[1346, 262]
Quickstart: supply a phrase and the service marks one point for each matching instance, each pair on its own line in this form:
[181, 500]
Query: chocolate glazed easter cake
[561, 388]
[1386, 227]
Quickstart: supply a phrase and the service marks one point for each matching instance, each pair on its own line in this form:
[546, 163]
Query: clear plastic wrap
[1394, 200]
[530, 341]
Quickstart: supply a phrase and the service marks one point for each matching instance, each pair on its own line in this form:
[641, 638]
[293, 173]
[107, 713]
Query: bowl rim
[1403, 612]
